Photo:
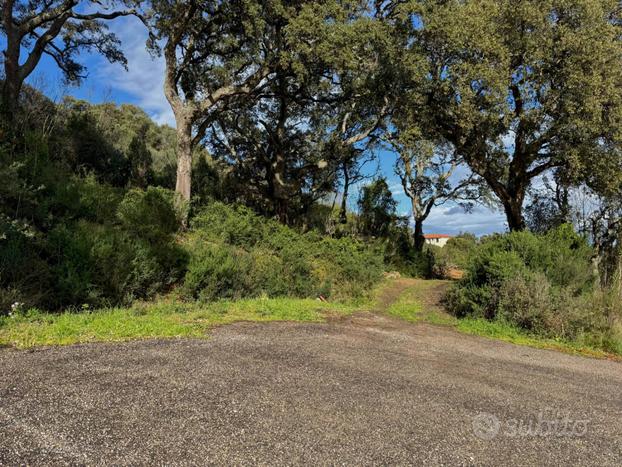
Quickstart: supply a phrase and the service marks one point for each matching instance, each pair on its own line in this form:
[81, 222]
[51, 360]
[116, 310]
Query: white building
[436, 239]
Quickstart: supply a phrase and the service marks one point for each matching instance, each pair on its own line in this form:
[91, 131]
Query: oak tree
[60, 29]
[210, 56]
[282, 142]
[521, 86]
[431, 174]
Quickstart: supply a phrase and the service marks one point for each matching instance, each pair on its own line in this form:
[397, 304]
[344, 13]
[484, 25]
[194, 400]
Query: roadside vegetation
[524, 286]
[546, 285]
[158, 319]
[414, 306]
[266, 192]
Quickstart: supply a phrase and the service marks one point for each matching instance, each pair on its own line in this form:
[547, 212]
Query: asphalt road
[368, 390]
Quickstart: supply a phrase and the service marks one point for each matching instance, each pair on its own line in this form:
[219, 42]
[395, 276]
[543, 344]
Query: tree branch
[365, 133]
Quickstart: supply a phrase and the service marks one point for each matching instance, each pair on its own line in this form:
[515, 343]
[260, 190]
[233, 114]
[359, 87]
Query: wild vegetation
[265, 188]
[543, 284]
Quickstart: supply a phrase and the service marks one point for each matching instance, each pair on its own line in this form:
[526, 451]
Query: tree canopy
[521, 87]
[60, 29]
[291, 98]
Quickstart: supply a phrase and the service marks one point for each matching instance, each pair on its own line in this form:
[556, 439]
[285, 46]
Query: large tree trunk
[280, 195]
[10, 100]
[11, 87]
[512, 197]
[184, 113]
[280, 188]
[184, 159]
[418, 235]
[343, 212]
[513, 207]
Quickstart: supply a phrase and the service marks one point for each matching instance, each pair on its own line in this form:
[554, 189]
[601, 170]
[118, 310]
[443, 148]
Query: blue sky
[141, 85]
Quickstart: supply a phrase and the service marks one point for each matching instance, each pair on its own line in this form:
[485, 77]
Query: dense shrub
[149, 214]
[88, 151]
[454, 255]
[82, 198]
[25, 277]
[541, 283]
[224, 271]
[104, 264]
[236, 253]
[95, 246]
[71, 233]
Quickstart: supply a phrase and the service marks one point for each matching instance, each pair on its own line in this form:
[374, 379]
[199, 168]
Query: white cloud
[451, 219]
[396, 189]
[144, 80]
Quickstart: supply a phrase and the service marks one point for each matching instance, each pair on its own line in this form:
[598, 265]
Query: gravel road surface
[365, 390]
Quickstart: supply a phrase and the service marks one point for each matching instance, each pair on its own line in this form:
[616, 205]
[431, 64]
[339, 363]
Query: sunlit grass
[508, 333]
[411, 307]
[162, 319]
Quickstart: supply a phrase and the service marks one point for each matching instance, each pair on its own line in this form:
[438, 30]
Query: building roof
[434, 236]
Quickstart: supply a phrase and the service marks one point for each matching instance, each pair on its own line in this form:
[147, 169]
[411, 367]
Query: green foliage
[70, 239]
[208, 179]
[377, 209]
[401, 255]
[236, 253]
[25, 277]
[149, 214]
[89, 151]
[541, 283]
[414, 263]
[119, 144]
[140, 161]
[106, 264]
[454, 255]
[223, 271]
[67, 239]
[544, 72]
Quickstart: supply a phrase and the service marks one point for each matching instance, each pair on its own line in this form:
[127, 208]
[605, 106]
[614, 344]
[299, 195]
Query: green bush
[234, 225]
[88, 242]
[541, 283]
[149, 214]
[454, 255]
[82, 198]
[527, 301]
[216, 271]
[104, 265]
[25, 277]
[107, 263]
[236, 253]
[224, 271]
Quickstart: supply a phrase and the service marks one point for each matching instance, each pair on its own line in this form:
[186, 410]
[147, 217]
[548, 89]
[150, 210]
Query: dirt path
[430, 293]
[391, 293]
[363, 391]
[429, 296]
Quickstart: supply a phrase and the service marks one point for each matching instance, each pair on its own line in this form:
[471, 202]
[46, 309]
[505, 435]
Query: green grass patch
[161, 319]
[507, 332]
[411, 306]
